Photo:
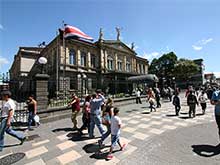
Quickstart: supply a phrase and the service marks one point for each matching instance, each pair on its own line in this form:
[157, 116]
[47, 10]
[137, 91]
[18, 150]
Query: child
[115, 133]
[176, 103]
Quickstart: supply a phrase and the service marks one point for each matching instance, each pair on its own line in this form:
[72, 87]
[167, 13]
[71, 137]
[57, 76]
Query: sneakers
[22, 140]
[109, 157]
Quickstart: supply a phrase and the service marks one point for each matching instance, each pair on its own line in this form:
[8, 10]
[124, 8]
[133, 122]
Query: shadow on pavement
[145, 113]
[206, 150]
[75, 136]
[11, 145]
[184, 117]
[184, 113]
[11, 159]
[173, 115]
[97, 154]
[133, 110]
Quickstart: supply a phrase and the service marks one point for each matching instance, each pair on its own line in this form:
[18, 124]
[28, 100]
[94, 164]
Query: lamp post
[42, 61]
[83, 77]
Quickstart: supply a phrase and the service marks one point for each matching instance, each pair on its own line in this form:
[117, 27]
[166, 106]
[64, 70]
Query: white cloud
[205, 41]
[199, 45]
[1, 27]
[152, 55]
[198, 48]
[3, 61]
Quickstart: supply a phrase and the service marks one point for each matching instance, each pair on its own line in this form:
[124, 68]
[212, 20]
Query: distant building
[86, 66]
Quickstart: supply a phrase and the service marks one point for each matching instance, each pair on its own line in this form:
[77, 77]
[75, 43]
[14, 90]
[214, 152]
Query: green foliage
[163, 66]
[185, 68]
[169, 66]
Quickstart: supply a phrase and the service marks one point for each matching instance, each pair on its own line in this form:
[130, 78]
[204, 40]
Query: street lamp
[42, 61]
[83, 77]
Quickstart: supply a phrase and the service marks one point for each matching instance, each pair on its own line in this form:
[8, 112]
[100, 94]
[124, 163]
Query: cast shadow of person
[206, 150]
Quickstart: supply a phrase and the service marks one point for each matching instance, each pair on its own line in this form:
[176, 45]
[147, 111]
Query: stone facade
[86, 66]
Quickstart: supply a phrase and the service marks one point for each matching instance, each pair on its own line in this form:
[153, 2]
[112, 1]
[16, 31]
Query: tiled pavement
[56, 143]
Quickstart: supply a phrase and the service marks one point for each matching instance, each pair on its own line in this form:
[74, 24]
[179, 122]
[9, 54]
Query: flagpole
[57, 65]
[64, 63]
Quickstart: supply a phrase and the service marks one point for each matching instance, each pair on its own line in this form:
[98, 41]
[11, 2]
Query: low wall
[57, 113]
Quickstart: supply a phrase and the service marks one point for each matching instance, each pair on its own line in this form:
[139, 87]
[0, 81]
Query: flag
[71, 31]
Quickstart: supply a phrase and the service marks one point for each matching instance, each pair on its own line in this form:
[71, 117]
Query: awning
[144, 78]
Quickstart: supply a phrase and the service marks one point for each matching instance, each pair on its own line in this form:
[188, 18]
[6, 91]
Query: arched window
[72, 57]
[83, 59]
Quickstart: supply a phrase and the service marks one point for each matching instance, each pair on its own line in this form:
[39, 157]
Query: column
[89, 59]
[78, 62]
[102, 59]
[116, 62]
[125, 62]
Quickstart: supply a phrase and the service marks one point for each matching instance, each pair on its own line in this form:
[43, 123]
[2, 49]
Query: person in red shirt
[75, 103]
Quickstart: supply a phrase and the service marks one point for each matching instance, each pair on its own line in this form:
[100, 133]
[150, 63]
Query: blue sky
[190, 28]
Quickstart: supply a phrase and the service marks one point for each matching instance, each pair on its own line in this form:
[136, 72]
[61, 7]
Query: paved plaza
[152, 138]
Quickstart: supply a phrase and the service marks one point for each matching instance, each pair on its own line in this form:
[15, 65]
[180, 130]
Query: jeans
[86, 122]
[217, 119]
[3, 129]
[107, 133]
[138, 100]
[177, 109]
[192, 110]
[73, 118]
[95, 120]
[30, 118]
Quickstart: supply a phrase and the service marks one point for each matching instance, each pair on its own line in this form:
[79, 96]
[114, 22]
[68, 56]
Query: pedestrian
[203, 101]
[157, 96]
[138, 96]
[7, 113]
[192, 102]
[32, 110]
[106, 120]
[176, 103]
[170, 92]
[75, 104]
[151, 99]
[115, 133]
[86, 115]
[215, 100]
[95, 114]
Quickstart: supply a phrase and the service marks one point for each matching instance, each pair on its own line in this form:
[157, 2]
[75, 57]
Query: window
[72, 57]
[128, 66]
[93, 61]
[110, 63]
[83, 59]
[143, 69]
[120, 65]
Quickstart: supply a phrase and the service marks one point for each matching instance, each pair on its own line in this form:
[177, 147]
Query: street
[152, 138]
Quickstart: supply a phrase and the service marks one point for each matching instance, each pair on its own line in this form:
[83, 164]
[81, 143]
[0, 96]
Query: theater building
[80, 66]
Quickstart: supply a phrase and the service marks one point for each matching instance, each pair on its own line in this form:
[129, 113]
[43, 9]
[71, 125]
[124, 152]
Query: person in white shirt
[6, 116]
[115, 133]
[138, 97]
[203, 98]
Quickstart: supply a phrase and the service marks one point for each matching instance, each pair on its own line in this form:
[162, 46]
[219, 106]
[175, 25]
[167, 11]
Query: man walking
[6, 116]
[75, 103]
[138, 97]
[95, 113]
[192, 102]
[215, 100]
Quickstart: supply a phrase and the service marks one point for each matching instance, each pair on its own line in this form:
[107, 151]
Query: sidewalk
[56, 143]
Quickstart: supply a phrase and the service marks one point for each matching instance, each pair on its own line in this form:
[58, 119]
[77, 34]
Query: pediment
[119, 46]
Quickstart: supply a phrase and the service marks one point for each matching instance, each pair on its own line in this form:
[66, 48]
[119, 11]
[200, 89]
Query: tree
[164, 66]
[185, 69]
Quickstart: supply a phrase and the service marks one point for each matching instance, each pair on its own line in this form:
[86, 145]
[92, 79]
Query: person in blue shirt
[215, 100]
[95, 113]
